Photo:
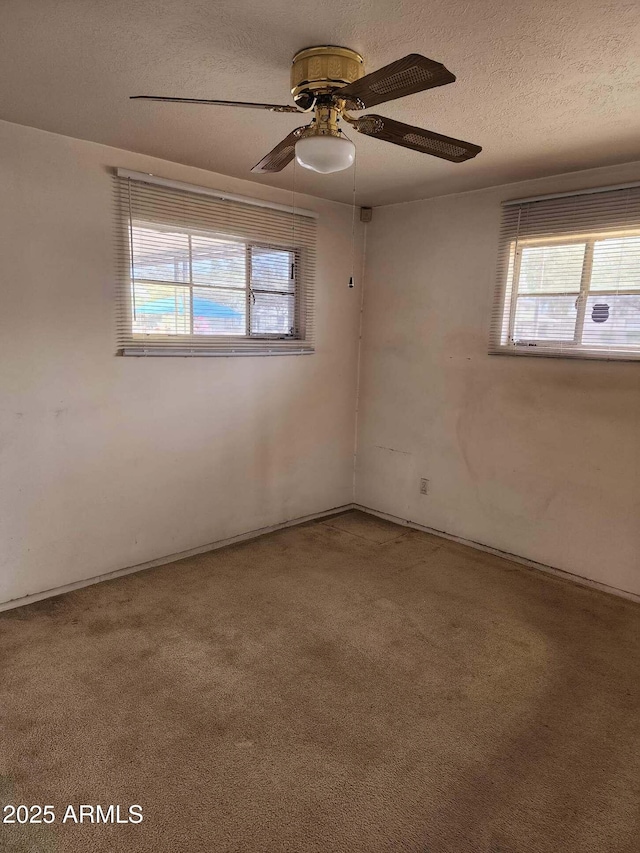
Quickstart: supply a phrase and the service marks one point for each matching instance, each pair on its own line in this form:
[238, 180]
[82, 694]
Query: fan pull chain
[294, 273]
[353, 225]
[293, 205]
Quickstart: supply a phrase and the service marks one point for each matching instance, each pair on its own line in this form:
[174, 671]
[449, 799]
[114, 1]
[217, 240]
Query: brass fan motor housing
[323, 70]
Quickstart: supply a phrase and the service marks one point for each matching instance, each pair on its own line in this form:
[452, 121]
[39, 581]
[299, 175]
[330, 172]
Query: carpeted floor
[345, 685]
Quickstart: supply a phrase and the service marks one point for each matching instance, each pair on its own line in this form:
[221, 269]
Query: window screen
[205, 276]
[569, 277]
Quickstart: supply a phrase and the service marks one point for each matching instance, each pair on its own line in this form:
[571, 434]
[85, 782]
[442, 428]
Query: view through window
[189, 283]
[584, 292]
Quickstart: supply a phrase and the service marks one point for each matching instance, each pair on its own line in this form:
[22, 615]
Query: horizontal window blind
[569, 276]
[206, 275]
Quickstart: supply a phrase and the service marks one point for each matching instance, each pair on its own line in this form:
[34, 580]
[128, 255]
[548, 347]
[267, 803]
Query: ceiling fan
[330, 81]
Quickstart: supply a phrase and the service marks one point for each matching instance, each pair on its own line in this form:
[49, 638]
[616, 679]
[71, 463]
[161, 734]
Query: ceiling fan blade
[274, 108]
[281, 155]
[426, 141]
[406, 76]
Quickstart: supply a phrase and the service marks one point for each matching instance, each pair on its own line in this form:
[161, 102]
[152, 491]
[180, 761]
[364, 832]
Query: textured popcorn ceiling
[544, 86]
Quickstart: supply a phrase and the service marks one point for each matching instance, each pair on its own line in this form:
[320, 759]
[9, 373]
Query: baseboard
[531, 564]
[253, 534]
[171, 558]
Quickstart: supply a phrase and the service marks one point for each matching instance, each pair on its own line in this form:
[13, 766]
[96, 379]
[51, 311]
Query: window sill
[226, 352]
[582, 354]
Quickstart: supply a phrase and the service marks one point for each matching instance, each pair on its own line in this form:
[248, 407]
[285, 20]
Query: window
[185, 283]
[569, 277]
[212, 276]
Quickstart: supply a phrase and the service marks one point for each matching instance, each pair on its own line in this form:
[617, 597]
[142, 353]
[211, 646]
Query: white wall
[537, 457]
[107, 462]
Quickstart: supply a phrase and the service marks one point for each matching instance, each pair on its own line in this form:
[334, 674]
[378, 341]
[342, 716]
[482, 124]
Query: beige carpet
[346, 685]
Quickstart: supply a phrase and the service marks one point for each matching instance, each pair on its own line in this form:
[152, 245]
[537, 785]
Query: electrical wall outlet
[424, 486]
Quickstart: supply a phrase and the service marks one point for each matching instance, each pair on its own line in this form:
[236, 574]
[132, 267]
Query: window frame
[295, 255]
[511, 293]
[158, 339]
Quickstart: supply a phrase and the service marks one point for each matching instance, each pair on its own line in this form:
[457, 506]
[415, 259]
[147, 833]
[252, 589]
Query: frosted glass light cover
[325, 153]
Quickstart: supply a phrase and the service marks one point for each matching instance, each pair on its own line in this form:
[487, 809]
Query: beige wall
[537, 457]
[108, 462]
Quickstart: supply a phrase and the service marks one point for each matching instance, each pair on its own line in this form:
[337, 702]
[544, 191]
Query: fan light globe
[325, 153]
